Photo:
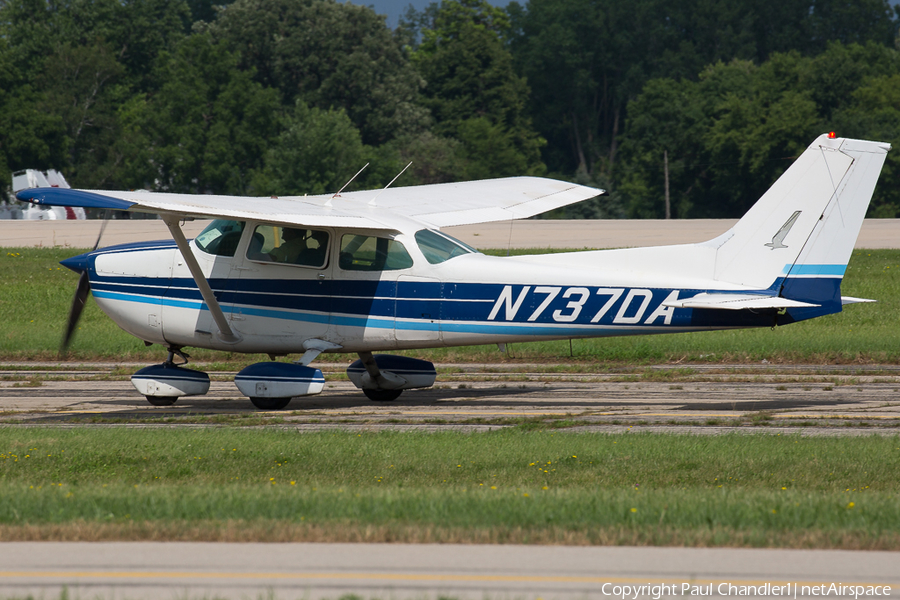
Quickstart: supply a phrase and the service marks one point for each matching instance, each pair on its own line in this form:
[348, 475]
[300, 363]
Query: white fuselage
[468, 299]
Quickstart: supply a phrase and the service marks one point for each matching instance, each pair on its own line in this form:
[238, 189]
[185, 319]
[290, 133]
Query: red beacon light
[831, 135]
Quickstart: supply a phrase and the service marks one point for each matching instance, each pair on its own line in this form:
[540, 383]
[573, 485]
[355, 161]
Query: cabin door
[283, 294]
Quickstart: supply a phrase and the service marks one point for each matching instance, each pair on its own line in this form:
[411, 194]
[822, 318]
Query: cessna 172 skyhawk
[370, 271]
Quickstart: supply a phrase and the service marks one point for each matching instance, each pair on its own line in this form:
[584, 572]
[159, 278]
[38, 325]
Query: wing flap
[737, 302]
[491, 200]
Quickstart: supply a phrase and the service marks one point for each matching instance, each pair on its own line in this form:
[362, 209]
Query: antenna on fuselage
[372, 201]
[338, 194]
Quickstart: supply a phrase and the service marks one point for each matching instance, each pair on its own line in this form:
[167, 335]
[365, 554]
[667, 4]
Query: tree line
[263, 97]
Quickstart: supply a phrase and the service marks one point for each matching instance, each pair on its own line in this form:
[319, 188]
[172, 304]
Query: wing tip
[68, 197]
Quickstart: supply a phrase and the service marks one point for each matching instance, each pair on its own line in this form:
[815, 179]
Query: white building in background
[32, 178]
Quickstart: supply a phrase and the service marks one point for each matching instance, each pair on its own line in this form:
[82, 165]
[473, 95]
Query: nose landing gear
[164, 383]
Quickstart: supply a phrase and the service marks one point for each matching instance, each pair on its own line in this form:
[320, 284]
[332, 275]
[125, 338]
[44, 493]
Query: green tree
[135, 31]
[434, 158]
[81, 87]
[730, 134]
[873, 112]
[207, 128]
[727, 136]
[473, 91]
[29, 136]
[329, 55]
[587, 59]
[317, 152]
[85, 60]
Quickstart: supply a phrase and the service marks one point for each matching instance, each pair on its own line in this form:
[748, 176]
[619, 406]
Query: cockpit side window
[369, 253]
[221, 237]
[439, 247]
[289, 245]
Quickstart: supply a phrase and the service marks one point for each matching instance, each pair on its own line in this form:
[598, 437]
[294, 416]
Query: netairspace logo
[657, 591]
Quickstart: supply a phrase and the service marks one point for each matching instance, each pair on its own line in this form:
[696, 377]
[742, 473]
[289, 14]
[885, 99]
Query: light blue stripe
[512, 329]
[373, 323]
[150, 300]
[826, 270]
[279, 314]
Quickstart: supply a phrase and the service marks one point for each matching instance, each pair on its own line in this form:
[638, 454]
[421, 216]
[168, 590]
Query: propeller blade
[81, 294]
[102, 228]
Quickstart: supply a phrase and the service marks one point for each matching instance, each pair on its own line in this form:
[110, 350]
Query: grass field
[500, 487]
[37, 291]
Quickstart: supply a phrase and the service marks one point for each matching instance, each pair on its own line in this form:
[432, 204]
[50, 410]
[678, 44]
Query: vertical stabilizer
[797, 239]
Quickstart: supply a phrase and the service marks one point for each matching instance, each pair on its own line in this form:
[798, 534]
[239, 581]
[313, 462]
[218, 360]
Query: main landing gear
[271, 385]
[383, 377]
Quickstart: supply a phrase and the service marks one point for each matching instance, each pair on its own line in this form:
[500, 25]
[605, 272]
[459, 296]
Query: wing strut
[225, 332]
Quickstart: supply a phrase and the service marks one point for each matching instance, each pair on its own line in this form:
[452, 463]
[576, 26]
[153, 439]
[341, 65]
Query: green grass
[37, 291]
[223, 483]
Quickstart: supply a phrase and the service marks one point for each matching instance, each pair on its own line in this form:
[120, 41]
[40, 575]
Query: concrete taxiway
[401, 571]
[704, 398]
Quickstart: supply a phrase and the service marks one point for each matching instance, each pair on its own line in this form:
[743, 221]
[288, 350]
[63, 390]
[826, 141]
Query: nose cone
[79, 263]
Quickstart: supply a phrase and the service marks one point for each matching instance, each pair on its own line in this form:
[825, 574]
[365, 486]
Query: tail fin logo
[778, 238]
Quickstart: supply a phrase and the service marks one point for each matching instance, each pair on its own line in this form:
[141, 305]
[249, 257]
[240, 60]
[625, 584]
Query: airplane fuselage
[464, 300]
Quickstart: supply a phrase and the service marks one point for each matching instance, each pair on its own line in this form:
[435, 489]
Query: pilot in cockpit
[301, 247]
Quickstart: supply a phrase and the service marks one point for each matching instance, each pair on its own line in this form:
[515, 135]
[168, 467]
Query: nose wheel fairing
[164, 383]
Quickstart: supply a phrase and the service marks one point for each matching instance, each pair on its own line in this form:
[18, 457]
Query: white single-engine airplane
[370, 271]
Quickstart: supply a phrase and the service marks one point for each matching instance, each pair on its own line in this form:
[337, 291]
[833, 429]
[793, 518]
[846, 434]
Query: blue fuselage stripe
[466, 308]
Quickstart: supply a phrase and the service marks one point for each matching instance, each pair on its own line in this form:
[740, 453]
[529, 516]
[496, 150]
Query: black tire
[382, 395]
[161, 400]
[270, 403]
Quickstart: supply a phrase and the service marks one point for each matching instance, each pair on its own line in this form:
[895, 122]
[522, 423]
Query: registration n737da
[368, 272]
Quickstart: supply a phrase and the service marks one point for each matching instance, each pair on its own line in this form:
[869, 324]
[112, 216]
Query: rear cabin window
[439, 247]
[369, 253]
[221, 237]
[289, 245]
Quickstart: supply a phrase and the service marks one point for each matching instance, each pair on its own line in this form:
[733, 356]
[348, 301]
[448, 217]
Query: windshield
[438, 247]
[220, 238]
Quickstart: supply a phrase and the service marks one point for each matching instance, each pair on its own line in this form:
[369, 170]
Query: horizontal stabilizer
[851, 300]
[736, 302]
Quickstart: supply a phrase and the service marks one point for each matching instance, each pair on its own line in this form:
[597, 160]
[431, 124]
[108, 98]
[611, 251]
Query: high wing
[437, 205]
